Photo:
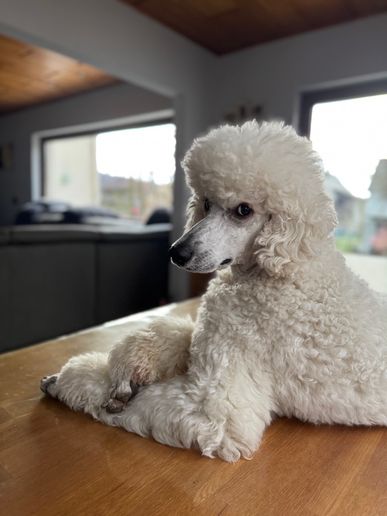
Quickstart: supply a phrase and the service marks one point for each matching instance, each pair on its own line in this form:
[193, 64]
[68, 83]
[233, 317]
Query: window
[350, 134]
[129, 171]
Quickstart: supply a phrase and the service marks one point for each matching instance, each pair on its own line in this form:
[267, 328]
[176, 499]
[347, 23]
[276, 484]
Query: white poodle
[284, 329]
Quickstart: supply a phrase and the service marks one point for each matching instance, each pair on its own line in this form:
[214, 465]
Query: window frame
[350, 91]
[87, 132]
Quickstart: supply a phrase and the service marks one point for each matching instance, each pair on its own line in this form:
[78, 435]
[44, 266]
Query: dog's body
[285, 329]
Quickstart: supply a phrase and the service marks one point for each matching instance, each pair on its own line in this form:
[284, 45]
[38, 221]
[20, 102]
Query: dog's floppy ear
[291, 235]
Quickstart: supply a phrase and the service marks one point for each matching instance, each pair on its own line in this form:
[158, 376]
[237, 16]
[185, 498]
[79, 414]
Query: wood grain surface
[224, 26]
[57, 462]
[31, 75]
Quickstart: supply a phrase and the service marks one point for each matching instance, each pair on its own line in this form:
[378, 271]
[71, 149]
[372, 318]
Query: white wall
[102, 104]
[274, 74]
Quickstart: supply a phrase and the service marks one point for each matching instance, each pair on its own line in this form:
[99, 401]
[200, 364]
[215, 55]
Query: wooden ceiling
[224, 26]
[31, 75]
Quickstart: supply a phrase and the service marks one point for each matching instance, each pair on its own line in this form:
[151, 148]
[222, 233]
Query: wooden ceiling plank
[31, 75]
[227, 25]
[214, 8]
[183, 18]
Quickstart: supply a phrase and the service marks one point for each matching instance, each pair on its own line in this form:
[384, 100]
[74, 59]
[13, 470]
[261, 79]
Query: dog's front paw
[47, 384]
[113, 406]
[232, 451]
[120, 395]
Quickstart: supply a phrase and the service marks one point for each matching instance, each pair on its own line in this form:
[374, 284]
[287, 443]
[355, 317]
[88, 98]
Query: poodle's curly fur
[284, 329]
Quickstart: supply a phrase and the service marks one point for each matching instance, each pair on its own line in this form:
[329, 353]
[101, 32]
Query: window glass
[351, 137]
[136, 169]
[129, 171]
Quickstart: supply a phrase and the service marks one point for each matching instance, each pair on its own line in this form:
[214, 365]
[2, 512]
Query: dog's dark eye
[206, 205]
[243, 210]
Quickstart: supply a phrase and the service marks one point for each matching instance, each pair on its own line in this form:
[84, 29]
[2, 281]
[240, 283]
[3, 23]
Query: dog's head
[257, 199]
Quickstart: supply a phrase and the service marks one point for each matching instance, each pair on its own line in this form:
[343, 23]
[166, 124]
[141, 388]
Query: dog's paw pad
[124, 397]
[124, 391]
[46, 382]
[113, 406]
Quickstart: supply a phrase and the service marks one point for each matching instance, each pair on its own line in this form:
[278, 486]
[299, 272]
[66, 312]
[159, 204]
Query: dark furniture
[58, 279]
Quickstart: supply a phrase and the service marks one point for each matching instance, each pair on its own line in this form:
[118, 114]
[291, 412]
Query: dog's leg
[181, 413]
[155, 353]
[167, 412]
[221, 405]
[249, 412]
[83, 383]
[94, 381]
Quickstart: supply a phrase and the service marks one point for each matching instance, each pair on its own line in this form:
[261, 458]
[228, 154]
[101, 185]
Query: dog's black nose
[180, 254]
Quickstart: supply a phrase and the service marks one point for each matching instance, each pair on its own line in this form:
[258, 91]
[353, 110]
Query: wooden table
[57, 462]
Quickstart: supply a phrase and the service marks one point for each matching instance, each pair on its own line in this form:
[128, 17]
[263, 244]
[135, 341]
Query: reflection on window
[128, 171]
[351, 137]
